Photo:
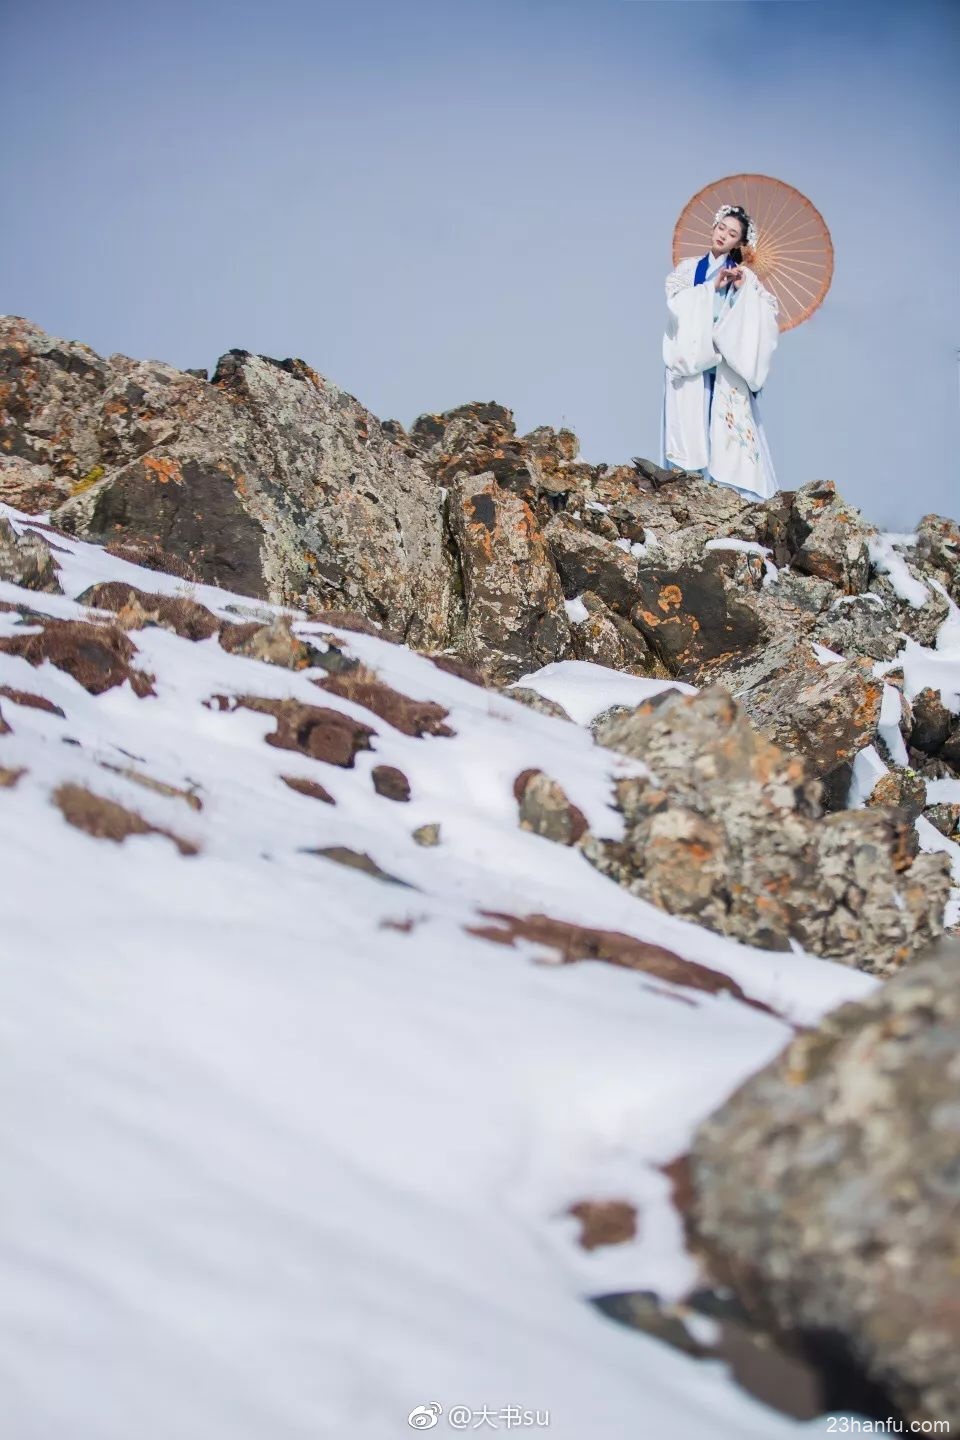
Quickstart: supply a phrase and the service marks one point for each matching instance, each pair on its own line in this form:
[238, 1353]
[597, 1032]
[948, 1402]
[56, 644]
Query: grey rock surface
[826, 1191]
[729, 832]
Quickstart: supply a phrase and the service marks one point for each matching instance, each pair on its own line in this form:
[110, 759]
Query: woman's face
[727, 233]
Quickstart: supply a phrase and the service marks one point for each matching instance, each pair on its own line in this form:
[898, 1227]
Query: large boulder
[728, 831]
[515, 616]
[27, 560]
[938, 551]
[269, 480]
[826, 712]
[826, 1192]
[51, 397]
[479, 438]
[587, 561]
[830, 538]
[860, 625]
[699, 612]
[599, 635]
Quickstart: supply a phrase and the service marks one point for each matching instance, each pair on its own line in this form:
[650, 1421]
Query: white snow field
[289, 1153]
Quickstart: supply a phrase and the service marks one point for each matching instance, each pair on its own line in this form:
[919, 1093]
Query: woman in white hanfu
[720, 338]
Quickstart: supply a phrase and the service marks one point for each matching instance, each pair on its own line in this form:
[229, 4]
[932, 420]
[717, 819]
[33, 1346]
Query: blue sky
[436, 203]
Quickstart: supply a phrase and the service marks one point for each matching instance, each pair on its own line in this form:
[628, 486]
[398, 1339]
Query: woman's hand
[730, 275]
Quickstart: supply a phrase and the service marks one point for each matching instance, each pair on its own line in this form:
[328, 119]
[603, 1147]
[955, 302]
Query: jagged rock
[825, 712]
[269, 480]
[481, 438]
[695, 613]
[27, 560]
[861, 625]
[902, 789]
[515, 620]
[50, 397]
[30, 486]
[938, 551]
[830, 538]
[825, 1191]
[427, 835]
[794, 603]
[945, 818]
[587, 562]
[608, 639]
[728, 832]
[545, 809]
[922, 620]
[932, 722]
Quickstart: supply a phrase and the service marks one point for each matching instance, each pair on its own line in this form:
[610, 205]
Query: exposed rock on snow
[545, 809]
[514, 604]
[728, 831]
[830, 539]
[27, 560]
[827, 713]
[826, 1189]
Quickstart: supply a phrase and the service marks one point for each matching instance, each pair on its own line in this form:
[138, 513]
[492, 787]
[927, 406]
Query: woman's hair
[738, 213]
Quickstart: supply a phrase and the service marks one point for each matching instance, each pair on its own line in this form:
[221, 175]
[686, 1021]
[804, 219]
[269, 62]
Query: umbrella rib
[790, 227]
[801, 268]
[774, 218]
[795, 298]
[804, 289]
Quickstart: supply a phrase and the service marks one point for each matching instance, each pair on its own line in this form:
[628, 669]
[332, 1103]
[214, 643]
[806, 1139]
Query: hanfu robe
[717, 350]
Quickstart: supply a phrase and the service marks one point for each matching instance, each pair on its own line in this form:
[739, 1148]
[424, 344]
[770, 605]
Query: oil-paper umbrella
[793, 256]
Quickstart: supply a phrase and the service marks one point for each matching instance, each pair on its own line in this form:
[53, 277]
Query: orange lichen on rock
[163, 470]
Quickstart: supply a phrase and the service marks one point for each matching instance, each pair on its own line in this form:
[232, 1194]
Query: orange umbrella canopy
[793, 256]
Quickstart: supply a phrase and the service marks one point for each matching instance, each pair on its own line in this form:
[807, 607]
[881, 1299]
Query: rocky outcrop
[515, 618]
[27, 560]
[494, 551]
[829, 538]
[826, 1191]
[729, 831]
[826, 712]
[269, 480]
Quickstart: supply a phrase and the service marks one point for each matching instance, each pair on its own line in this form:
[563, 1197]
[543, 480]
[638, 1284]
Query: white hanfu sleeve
[688, 347]
[746, 333]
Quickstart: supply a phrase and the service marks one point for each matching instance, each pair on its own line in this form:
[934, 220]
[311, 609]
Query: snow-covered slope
[289, 1152]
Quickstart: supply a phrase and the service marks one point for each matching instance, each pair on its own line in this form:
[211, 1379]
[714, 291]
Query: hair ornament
[741, 214]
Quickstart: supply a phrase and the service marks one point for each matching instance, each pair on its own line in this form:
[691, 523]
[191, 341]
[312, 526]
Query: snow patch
[885, 559]
[585, 689]
[888, 726]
